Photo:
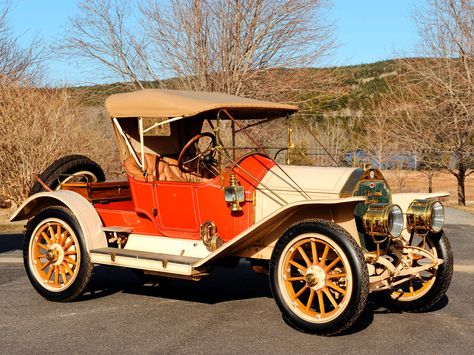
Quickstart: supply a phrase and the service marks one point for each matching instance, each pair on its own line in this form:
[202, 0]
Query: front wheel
[423, 292]
[55, 255]
[319, 277]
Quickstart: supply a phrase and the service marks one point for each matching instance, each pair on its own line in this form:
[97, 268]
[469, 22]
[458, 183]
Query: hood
[312, 179]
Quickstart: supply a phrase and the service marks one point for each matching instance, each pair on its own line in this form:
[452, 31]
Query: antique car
[326, 236]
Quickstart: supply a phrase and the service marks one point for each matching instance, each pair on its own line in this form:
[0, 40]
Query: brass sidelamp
[234, 194]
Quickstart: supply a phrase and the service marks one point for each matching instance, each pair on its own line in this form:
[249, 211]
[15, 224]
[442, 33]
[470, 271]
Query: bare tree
[213, 45]
[101, 33]
[16, 62]
[380, 142]
[440, 118]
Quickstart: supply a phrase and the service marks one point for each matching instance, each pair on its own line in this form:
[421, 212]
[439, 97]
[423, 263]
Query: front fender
[404, 199]
[82, 209]
[258, 240]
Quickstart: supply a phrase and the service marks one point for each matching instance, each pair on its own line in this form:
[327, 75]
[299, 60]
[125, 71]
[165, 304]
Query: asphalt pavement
[230, 312]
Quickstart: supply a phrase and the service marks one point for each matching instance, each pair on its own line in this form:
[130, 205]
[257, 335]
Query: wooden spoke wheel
[422, 292]
[55, 254]
[56, 260]
[315, 276]
[319, 277]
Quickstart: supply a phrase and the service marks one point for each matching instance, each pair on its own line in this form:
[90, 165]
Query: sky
[366, 31]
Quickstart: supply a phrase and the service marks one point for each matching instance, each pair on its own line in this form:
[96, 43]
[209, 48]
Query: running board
[157, 262]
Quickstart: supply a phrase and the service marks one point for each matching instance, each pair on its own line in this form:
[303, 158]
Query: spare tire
[71, 168]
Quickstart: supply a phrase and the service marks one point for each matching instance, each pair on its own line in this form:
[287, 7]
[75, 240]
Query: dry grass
[39, 126]
[5, 225]
[414, 181]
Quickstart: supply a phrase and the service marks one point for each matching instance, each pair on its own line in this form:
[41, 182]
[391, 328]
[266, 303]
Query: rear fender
[82, 209]
[258, 241]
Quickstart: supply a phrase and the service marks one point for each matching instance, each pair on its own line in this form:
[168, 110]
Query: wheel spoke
[300, 267]
[58, 234]
[45, 236]
[336, 276]
[314, 252]
[70, 261]
[56, 276]
[45, 265]
[310, 300]
[50, 272]
[422, 280]
[40, 256]
[335, 287]
[296, 278]
[335, 261]
[305, 257]
[330, 297]
[68, 269]
[51, 233]
[63, 273]
[70, 252]
[322, 311]
[42, 246]
[65, 234]
[412, 290]
[300, 292]
[68, 245]
[325, 254]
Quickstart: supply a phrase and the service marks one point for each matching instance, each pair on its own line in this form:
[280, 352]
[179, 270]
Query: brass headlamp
[383, 220]
[424, 216]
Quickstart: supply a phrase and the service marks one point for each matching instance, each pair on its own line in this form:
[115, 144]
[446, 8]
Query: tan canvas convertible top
[177, 103]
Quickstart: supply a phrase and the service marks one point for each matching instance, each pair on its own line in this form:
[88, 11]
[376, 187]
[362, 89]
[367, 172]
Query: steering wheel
[205, 157]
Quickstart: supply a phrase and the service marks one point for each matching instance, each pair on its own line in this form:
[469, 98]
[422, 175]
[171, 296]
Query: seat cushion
[159, 168]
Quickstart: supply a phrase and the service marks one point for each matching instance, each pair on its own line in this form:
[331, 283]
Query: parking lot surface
[230, 312]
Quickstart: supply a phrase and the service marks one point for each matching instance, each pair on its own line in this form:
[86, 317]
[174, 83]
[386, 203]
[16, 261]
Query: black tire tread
[37, 187]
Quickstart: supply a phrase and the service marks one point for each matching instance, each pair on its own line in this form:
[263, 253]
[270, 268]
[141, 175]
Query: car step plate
[165, 263]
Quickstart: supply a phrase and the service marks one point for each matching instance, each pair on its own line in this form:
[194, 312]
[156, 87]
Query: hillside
[320, 89]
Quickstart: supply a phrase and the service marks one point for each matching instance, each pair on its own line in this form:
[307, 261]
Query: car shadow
[222, 285]
[10, 242]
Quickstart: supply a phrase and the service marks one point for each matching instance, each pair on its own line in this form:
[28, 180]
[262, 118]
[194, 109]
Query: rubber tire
[66, 165]
[360, 280]
[443, 279]
[76, 288]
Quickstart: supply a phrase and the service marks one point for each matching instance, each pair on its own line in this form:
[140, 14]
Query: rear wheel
[423, 292]
[55, 255]
[319, 277]
[71, 168]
